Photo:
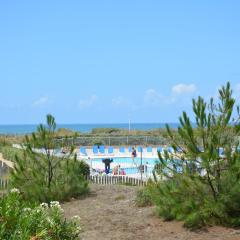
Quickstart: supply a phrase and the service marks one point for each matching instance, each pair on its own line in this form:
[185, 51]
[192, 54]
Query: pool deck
[116, 154]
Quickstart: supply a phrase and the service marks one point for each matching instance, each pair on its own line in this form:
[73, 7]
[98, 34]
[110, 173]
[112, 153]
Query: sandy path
[110, 213]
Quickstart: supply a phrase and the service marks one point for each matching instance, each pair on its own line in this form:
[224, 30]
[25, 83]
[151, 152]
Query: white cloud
[86, 103]
[40, 102]
[153, 98]
[183, 88]
[123, 102]
[120, 102]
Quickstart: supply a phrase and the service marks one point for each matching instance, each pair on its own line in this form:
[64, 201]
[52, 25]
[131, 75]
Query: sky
[109, 61]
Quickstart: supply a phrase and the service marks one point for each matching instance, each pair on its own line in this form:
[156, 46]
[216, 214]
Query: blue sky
[107, 61]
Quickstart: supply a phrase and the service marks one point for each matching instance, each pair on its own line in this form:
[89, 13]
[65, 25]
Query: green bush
[9, 153]
[19, 220]
[43, 176]
[143, 198]
[200, 183]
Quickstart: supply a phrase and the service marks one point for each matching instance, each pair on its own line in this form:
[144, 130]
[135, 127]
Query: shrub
[202, 186]
[44, 176]
[143, 198]
[19, 220]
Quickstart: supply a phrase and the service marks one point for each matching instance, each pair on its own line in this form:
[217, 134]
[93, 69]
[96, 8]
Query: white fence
[3, 184]
[97, 179]
[111, 180]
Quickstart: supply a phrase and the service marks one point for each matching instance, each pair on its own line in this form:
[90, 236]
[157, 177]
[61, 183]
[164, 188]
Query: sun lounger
[221, 151]
[102, 149]
[122, 149]
[83, 151]
[170, 150]
[159, 149]
[149, 149]
[110, 150]
[95, 150]
[139, 149]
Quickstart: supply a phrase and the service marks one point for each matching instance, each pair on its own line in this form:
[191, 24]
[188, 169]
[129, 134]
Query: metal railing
[113, 140]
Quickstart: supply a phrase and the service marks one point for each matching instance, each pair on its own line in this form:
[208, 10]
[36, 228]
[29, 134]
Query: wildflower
[15, 190]
[78, 230]
[76, 218]
[27, 210]
[38, 210]
[55, 204]
[44, 205]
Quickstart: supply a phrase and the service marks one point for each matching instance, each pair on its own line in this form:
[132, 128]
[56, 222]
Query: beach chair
[139, 149]
[102, 149]
[110, 150]
[83, 151]
[122, 149]
[149, 149]
[95, 149]
[221, 151]
[170, 150]
[159, 149]
[179, 150]
[130, 149]
[200, 149]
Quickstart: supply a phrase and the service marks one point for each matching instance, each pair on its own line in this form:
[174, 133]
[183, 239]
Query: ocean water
[84, 128]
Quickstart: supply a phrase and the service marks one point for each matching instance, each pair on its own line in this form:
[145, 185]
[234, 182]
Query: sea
[22, 129]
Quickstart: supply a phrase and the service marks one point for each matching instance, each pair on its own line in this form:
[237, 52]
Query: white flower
[55, 204]
[27, 210]
[15, 190]
[38, 210]
[78, 230]
[76, 218]
[44, 205]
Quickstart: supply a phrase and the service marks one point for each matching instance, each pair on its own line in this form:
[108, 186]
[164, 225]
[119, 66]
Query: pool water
[129, 166]
[137, 161]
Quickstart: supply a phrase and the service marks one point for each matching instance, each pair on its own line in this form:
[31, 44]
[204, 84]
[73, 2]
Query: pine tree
[43, 173]
[202, 177]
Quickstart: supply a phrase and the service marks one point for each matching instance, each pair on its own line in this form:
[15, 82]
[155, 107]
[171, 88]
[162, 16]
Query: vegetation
[19, 220]
[41, 175]
[99, 136]
[143, 198]
[203, 186]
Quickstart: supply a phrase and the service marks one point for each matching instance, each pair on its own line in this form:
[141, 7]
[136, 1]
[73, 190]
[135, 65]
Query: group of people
[117, 170]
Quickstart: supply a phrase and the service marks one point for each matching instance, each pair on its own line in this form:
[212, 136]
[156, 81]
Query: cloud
[86, 103]
[183, 88]
[120, 102]
[123, 102]
[40, 102]
[153, 98]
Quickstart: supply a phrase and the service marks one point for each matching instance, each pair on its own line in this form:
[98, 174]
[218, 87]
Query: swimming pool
[128, 160]
[126, 164]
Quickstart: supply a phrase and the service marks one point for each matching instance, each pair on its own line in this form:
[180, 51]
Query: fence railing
[97, 179]
[111, 180]
[113, 140]
[4, 184]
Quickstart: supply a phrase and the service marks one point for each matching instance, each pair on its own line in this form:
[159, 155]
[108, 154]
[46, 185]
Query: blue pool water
[133, 168]
[137, 161]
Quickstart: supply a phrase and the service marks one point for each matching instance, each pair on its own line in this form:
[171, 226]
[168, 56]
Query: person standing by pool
[134, 154]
